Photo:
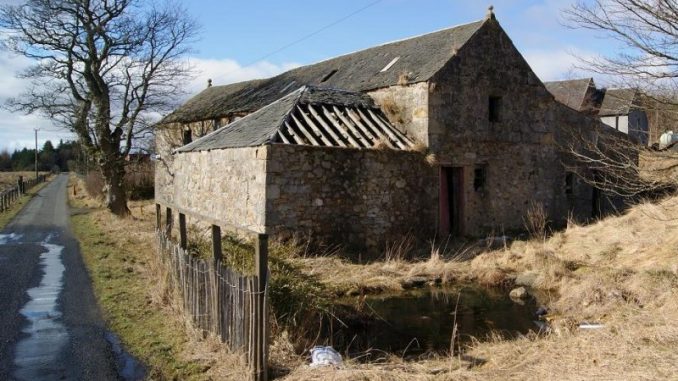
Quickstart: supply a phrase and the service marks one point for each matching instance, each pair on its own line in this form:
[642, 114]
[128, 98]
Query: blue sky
[242, 40]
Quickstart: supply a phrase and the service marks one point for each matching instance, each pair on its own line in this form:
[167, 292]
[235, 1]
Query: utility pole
[36, 152]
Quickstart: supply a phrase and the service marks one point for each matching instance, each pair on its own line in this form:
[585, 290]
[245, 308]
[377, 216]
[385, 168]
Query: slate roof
[617, 102]
[309, 116]
[571, 93]
[420, 57]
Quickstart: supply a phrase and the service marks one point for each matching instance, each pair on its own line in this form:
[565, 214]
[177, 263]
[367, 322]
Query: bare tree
[616, 164]
[648, 31]
[102, 69]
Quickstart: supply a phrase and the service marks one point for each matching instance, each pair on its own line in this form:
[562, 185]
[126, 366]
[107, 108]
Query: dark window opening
[329, 75]
[569, 183]
[495, 109]
[187, 138]
[479, 179]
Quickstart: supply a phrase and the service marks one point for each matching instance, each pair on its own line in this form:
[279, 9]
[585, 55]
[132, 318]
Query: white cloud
[553, 65]
[225, 71]
[16, 129]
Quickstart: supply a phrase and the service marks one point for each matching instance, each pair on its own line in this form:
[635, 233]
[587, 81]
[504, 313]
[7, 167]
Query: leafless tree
[102, 69]
[615, 164]
[648, 32]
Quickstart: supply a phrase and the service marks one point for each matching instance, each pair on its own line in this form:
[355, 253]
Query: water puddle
[36, 356]
[129, 369]
[422, 321]
[9, 238]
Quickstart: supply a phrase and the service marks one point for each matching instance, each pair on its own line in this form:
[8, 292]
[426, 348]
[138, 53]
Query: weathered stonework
[360, 198]
[226, 185]
[406, 107]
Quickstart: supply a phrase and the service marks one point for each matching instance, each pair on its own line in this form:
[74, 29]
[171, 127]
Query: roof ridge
[482, 21]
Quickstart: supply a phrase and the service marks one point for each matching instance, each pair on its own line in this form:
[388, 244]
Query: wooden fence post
[261, 331]
[168, 222]
[216, 244]
[183, 240]
[158, 216]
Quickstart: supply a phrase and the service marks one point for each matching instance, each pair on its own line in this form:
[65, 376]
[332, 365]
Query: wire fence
[10, 196]
[219, 300]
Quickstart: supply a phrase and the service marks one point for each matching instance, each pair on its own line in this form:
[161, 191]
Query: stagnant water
[421, 321]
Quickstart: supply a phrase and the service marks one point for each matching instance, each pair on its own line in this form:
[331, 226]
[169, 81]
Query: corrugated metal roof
[419, 57]
[309, 116]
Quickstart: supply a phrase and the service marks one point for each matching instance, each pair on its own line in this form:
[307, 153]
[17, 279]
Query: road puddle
[37, 354]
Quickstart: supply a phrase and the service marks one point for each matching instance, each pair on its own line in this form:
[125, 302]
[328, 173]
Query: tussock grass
[621, 272]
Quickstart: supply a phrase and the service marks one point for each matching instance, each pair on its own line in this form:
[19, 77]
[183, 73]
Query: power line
[306, 37]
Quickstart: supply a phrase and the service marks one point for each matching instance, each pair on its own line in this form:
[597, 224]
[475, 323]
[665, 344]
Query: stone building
[618, 108]
[449, 133]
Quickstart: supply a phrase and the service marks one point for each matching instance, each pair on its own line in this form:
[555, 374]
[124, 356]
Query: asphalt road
[50, 325]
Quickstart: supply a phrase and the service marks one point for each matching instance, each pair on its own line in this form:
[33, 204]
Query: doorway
[452, 201]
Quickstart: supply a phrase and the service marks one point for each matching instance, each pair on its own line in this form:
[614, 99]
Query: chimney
[490, 13]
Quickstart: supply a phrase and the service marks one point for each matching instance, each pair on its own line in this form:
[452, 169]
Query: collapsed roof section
[309, 116]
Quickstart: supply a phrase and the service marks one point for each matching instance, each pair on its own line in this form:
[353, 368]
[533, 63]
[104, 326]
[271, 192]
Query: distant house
[577, 94]
[449, 133]
[620, 111]
[617, 108]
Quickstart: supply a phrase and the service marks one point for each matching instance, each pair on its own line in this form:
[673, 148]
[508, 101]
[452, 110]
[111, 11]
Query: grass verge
[129, 286]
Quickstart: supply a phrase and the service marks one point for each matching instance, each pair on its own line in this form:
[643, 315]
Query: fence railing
[10, 196]
[218, 299]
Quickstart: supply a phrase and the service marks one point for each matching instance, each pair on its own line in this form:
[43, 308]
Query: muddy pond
[422, 321]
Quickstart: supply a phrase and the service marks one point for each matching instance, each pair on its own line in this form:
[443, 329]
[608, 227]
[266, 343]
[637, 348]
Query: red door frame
[451, 224]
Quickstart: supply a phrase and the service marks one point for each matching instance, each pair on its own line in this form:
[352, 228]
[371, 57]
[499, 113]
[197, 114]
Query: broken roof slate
[329, 117]
[571, 93]
[617, 102]
[420, 58]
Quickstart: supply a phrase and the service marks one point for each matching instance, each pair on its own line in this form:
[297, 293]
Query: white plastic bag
[323, 356]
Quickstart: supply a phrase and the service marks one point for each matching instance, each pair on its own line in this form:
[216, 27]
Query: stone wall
[228, 185]
[363, 199]
[406, 107]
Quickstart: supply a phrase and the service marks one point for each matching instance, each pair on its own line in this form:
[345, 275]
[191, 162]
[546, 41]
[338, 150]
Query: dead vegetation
[621, 272]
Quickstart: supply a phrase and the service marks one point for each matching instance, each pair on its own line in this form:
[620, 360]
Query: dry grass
[132, 288]
[621, 272]
[9, 179]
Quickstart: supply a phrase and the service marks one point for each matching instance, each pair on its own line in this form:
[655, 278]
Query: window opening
[329, 75]
[187, 138]
[569, 183]
[479, 178]
[388, 66]
[494, 109]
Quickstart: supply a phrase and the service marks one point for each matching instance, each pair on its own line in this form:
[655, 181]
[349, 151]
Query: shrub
[536, 221]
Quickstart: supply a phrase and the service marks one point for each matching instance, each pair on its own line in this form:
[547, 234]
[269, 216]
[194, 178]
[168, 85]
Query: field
[9, 179]
[621, 272]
